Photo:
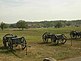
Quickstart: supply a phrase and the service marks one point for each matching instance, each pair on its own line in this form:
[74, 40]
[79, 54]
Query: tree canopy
[21, 24]
[2, 25]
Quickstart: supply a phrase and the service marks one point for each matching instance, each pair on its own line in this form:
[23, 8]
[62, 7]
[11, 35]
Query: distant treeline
[54, 24]
[43, 24]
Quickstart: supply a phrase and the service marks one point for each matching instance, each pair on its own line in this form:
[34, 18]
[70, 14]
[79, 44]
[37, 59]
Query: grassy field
[37, 51]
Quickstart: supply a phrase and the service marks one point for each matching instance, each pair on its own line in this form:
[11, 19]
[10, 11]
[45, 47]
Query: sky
[12, 11]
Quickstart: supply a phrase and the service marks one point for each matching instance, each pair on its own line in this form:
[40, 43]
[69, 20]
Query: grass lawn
[37, 51]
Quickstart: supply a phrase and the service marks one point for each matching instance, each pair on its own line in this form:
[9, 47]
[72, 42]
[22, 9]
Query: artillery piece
[56, 38]
[9, 40]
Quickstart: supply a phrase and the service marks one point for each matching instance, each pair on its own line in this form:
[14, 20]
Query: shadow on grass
[15, 54]
[44, 43]
[50, 44]
[6, 50]
[56, 44]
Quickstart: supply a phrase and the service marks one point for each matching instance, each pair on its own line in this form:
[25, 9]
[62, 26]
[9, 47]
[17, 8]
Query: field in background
[36, 50]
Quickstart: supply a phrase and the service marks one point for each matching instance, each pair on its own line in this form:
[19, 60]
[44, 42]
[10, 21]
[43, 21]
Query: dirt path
[73, 59]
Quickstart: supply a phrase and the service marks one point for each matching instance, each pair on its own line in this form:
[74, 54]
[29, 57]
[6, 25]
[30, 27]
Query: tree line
[21, 24]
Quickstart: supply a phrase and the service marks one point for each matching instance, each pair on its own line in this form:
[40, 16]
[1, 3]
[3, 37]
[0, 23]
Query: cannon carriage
[9, 40]
[75, 34]
[55, 38]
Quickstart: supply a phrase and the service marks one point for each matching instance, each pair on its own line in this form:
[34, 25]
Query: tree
[68, 23]
[21, 24]
[58, 25]
[2, 25]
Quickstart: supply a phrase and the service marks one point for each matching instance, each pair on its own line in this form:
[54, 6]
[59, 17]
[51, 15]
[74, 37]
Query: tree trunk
[22, 28]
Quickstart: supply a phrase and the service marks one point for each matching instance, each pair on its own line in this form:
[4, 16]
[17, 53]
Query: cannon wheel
[23, 43]
[10, 44]
[5, 40]
[63, 40]
[43, 37]
[45, 40]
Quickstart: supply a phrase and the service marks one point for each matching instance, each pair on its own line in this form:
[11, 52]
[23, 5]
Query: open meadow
[37, 51]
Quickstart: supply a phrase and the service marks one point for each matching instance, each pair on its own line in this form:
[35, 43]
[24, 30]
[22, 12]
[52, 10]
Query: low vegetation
[37, 50]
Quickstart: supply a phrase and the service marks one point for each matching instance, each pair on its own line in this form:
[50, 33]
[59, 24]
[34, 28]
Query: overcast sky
[12, 11]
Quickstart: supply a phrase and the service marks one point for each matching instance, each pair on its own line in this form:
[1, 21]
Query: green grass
[38, 51]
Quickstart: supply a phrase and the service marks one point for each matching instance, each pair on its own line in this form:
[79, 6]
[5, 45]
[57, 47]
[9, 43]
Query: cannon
[56, 38]
[9, 40]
